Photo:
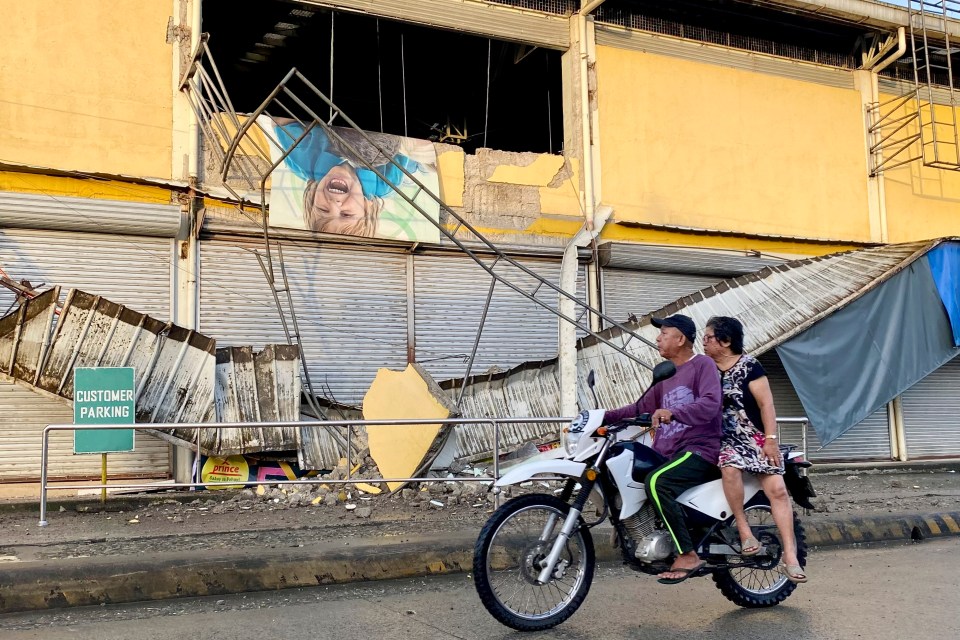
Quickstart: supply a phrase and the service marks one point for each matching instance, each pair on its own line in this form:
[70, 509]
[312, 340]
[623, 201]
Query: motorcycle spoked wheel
[760, 583]
[505, 563]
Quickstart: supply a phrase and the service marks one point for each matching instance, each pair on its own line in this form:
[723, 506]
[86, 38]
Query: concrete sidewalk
[209, 543]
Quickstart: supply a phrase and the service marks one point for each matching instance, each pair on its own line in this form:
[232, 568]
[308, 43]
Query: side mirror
[663, 371]
[591, 382]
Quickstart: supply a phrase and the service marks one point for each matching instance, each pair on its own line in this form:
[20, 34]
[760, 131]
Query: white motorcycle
[534, 559]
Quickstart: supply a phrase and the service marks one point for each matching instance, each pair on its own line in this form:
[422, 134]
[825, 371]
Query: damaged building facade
[725, 137]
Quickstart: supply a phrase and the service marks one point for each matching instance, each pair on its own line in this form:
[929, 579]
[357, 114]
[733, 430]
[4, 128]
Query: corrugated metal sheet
[257, 387]
[775, 303]
[622, 38]
[351, 306]
[97, 262]
[627, 292]
[173, 366]
[931, 413]
[677, 260]
[450, 293]
[31, 211]
[317, 448]
[470, 16]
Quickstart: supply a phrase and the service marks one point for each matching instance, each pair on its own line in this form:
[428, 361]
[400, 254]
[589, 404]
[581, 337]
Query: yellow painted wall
[705, 146]
[923, 202]
[87, 85]
[82, 188]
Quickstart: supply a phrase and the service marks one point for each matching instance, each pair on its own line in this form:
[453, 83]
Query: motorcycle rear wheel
[765, 585]
[505, 564]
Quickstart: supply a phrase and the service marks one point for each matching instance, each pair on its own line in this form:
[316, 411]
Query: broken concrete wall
[527, 199]
[519, 199]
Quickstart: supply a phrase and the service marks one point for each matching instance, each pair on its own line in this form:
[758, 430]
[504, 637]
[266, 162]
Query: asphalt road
[904, 591]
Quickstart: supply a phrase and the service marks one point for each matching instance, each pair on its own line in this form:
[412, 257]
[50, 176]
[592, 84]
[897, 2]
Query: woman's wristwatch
[772, 437]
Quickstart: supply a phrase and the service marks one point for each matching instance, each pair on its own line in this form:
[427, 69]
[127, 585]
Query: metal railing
[803, 422]
[495, 423]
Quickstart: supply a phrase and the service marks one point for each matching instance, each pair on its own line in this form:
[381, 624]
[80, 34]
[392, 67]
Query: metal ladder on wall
[921, 123]
[932, 52]
[241, 155]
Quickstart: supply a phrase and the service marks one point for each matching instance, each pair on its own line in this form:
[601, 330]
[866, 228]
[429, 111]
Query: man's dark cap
[681, 322]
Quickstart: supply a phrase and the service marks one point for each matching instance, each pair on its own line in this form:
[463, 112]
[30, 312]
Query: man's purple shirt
[695, 398]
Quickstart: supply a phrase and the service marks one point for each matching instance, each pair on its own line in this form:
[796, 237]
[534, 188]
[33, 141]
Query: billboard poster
[321, 186]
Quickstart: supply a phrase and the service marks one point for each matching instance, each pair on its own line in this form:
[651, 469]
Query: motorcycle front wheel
[506, 564]
[759, 582]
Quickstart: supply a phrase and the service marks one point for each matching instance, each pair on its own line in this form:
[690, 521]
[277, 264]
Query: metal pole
[803, 437]
[103, 479]
[476, 342]
[496, 461]
[44, 452]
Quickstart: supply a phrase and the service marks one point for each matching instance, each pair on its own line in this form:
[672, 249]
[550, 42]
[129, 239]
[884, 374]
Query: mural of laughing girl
[322, 187]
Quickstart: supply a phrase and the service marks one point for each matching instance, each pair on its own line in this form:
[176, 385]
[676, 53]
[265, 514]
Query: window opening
[394, 77]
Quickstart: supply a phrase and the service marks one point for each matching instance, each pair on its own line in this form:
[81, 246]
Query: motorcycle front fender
[529, 470]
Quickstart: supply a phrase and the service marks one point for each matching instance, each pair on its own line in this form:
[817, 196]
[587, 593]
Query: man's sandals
[687, 573]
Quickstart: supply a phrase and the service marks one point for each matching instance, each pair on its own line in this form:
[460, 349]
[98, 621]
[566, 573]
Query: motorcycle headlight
[575, 432]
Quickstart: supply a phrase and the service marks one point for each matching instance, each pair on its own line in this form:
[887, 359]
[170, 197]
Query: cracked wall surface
[523, 199]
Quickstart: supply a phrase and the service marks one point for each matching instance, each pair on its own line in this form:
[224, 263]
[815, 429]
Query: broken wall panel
[404, 451]
[177, 375]
[318, 447]
[173, 367]
[532, 389]
[257, 387]
[775, 304]
[24, 335]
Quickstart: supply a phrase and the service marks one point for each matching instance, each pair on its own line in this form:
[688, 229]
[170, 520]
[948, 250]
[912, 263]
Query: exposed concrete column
[866, 81]
[568, 332]
[185, 36]
[581, 37]
[183, 33]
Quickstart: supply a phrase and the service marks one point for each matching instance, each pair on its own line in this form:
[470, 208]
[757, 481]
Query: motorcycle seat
[645, 460]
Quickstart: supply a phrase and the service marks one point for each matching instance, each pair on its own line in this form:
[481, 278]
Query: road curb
[57, 584]
[882, 528]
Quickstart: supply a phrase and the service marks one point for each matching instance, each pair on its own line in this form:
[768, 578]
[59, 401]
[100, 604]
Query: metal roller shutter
[351, 308]
[931, 413]
[135, 271]
[640, 292]
[471, 16]
[450, 292]
[31, 211]
[869, 440]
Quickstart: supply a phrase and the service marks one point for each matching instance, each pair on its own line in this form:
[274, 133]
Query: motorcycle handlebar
[642, 420]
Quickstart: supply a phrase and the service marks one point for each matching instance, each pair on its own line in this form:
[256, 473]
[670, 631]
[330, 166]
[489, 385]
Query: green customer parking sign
[103, 395]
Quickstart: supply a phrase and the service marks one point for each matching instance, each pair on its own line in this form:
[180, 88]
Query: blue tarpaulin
[858, 359]
[945, 267]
